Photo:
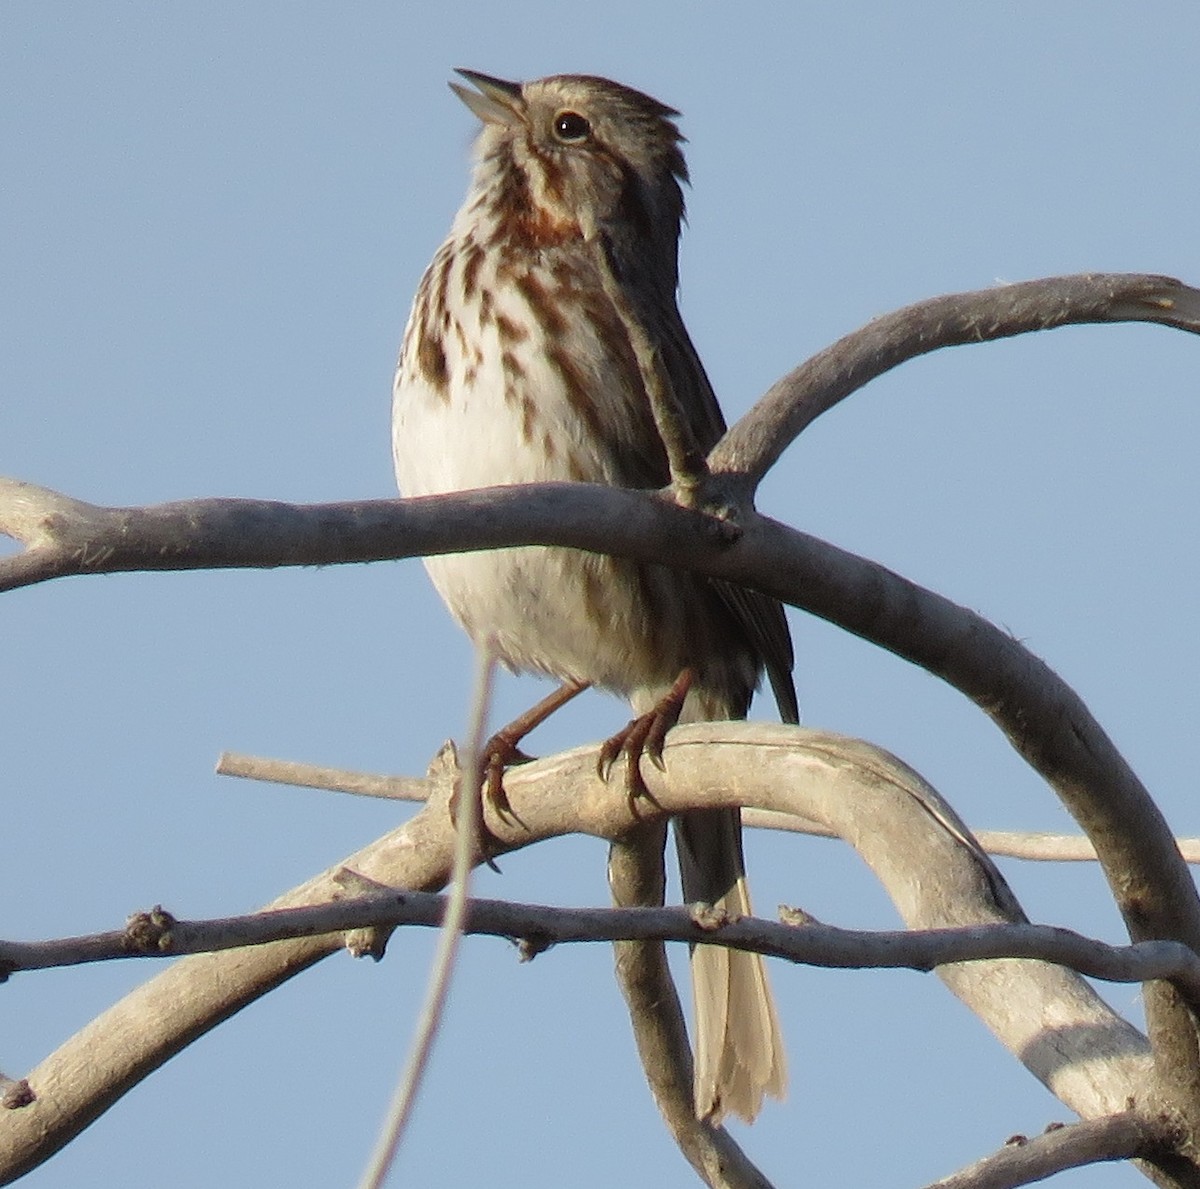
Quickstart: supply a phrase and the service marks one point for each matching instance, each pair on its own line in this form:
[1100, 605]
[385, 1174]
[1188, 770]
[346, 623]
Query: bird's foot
[502, 751]
[644, 736]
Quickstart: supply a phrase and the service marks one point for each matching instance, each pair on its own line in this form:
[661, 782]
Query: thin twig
[797, 939]
[465, 845]
[313, 776]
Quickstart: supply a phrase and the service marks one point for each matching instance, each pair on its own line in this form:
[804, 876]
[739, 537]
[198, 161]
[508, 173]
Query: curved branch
[67, 536]
[1048, 1017]
[1035, 846]
[1049, 726]
[753, 446]
[1022, 1161]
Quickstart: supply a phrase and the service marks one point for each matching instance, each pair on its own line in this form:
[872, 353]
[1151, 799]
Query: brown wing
[761, 616]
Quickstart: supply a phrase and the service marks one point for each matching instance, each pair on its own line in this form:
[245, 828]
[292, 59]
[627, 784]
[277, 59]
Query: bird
[517, 366]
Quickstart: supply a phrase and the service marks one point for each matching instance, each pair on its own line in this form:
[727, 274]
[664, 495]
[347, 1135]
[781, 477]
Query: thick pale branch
[753, 446]
[1042, 716]
[1048, 1017]
[1011, 844]
[67, 536]
[1049, 726]
[1124, 1136]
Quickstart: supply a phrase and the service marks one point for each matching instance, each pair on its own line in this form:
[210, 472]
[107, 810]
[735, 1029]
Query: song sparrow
[517, 368]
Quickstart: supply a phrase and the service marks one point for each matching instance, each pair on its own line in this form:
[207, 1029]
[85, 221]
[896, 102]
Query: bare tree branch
[1022, 1161]
[1048, 1017]
[313, 776]
[754, 445]
[1042, 717]
[1013, 844]
[798, 939]
[1049, 726]
[637, 876]
[66, 536]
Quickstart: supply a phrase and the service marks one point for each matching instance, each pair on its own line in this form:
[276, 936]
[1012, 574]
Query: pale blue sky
[212, 219]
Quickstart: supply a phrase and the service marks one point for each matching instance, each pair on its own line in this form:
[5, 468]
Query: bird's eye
[571, 128]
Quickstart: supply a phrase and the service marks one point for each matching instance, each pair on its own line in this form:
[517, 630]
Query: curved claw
[630, 742]
[501, 752]
[644, 736]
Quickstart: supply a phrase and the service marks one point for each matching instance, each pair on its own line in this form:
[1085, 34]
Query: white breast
[497, 413]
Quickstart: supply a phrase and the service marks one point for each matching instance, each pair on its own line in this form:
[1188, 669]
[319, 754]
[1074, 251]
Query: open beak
[495, 101]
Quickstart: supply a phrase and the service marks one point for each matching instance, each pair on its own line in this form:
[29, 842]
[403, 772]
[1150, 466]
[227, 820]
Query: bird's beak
[497, 101]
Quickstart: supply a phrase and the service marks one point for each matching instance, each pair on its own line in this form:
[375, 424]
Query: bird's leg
[645, 735]
[501, 750]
